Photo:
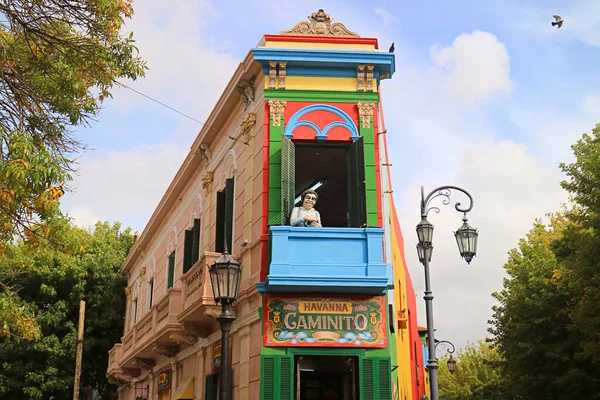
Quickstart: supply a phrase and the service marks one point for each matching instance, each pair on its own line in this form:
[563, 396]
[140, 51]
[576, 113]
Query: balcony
[199, 309]
[326, 260]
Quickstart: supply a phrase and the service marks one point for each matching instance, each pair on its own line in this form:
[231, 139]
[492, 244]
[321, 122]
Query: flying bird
[559, 21]
[392, 48]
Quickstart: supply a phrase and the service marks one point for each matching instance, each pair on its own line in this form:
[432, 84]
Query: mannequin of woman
[306, 215]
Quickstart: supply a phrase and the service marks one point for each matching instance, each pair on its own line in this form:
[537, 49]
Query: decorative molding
[198, 330]
[144, 363]
[370, 69]
[166, 350]
[128, 291]
[320, 25]
[282, 74]
[347, 122]
[321, 96]
[212, 311]
[182, 338]
[119, 379]
[204, 151]
[272, 74]
[246, 90]
[207, 180]
[360, 77]
[194, 281]
[142, 272]
[365, 110]
[277, 108]
[247, 126]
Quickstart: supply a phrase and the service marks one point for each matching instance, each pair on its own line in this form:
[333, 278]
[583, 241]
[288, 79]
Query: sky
[487, 96]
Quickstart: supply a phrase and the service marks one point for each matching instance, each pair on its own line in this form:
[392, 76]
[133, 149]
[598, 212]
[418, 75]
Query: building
[323, 313]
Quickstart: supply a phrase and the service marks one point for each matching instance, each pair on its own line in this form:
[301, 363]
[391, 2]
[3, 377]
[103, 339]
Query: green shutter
[367, 380]
[210, 391]
[171, 274]
[276, 381]
[385, 384]
[288, 179]
[196, 242]
[220, 225]
[375, 379]
[357, 207]
[187, 250]
[229, 185]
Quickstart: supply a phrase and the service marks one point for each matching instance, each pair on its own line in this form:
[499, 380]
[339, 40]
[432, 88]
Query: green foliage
[59, 61]
[478, 370]
[51, 285]
[547, 322]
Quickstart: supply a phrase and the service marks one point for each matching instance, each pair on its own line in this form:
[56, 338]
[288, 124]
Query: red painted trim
[321, 39]
[265, 195]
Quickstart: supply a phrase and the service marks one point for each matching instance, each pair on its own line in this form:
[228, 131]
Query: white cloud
[188, 68]
[476, 66]
[510, 188]
[123, 186]
[387, 17]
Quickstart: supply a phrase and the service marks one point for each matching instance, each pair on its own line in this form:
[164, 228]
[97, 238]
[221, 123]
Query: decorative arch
[230, 167]
[151, 269]
[172, 241]
[196, 209]
[347, 122]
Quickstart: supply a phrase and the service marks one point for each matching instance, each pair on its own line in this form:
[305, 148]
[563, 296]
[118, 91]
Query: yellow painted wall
[304, 45]
[321, 83]
[405, 370]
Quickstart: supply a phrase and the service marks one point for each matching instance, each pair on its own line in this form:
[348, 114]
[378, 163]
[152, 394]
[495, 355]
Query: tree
[478, 370]
[52, 286]
[59, 60]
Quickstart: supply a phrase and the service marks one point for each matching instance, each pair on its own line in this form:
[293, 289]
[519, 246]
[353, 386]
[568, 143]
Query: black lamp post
[225, 276]
[451, 363]
[466, 238]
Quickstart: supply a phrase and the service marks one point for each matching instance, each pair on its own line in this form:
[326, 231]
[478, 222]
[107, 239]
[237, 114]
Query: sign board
[216, 356]
[325, 322]
[164, 380]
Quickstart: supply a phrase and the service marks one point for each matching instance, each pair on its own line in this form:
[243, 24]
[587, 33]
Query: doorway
[326, 377]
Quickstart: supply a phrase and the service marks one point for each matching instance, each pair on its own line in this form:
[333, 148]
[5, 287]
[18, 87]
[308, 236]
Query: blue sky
[486, 95]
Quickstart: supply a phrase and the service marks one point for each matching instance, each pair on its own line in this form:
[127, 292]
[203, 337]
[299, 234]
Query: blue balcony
[326, 260]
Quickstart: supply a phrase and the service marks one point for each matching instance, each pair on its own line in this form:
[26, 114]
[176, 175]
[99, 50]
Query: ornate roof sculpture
[319, 25]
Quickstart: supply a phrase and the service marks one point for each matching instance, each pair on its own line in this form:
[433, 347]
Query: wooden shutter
[187, 250]
[229, 185]
[357, 196]
[288, 179]
[375, 379]
[220, 224]
[210, 390]
[171, 271]
[276, 377]
[367, 379]
[196, 242]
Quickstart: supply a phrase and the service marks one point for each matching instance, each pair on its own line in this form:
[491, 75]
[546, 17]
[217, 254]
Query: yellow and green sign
[325, 322]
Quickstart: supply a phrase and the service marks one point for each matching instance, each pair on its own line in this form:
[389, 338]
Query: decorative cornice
[247, 126]
[182, 338]
[365, 110]
[319, 25]
[246, 90]
[207, 180]
[332, 96]
[282, 74]
[166, 350]
[277, 108]
[272, 74]
[145, 363]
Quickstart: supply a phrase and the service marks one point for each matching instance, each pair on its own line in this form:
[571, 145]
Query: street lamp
[225, 275]
[451, 363]
[466, 239]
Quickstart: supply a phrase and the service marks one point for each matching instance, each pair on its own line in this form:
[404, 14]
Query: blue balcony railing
[326, 260]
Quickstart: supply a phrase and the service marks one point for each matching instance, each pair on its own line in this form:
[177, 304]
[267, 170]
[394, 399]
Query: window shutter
[229, 186]
[375, 379]
[196, 242]
[385, 384]
[357, 202]
[210, 391]
[288, 179]
[187, 251]
[367, 379]
[276, 377]
[220, 225]
[171, 270]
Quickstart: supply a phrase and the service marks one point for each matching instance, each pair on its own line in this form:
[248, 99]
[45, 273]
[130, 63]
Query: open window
[335, 171]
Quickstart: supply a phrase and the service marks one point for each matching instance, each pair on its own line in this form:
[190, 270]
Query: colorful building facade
[323, 313]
